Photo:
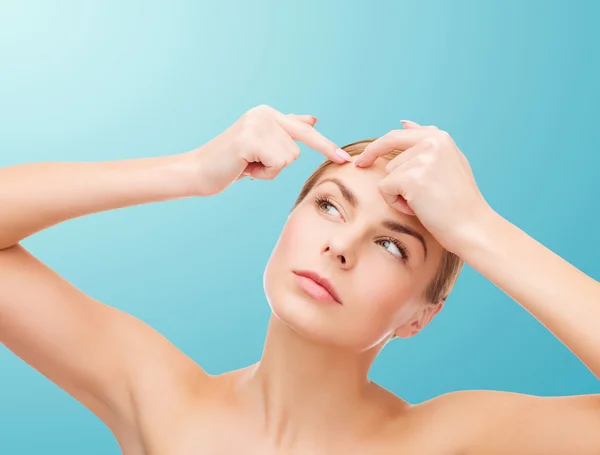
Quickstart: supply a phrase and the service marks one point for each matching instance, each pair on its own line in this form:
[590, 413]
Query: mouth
[317, 286]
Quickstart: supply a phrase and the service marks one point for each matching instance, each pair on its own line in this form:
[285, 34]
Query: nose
[341, 249]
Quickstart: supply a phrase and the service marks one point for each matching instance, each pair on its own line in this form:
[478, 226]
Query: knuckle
[276, 172]
[296, 151]
[425, 159]
[251, 113]
[417, 176]
[286, 161]
[279, 163]
[250, 120]
[445, 136]
[430, 143]
[383, 184]
[258, 113]
[260, 108]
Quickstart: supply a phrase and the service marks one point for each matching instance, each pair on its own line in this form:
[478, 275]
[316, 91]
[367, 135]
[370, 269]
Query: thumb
[396, 201]
[262, 172]
[250, 171]
[401, 205]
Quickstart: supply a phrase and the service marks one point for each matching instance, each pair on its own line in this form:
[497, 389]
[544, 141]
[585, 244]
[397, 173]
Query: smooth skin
[310, 392]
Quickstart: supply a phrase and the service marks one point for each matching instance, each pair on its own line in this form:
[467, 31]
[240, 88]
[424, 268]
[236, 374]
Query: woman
[368, 253]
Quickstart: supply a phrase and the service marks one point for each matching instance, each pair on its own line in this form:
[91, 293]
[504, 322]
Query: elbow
[7, 245]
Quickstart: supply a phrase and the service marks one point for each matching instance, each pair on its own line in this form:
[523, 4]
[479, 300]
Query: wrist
[182, 173]
[479, 233]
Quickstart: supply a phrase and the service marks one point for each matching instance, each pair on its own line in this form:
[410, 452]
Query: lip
[322, 282]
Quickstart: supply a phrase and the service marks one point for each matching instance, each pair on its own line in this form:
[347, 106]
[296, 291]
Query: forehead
[366, 178]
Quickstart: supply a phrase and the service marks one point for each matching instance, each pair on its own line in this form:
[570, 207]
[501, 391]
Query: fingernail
[410, 123]
[315, 118]
[358, 160]
[343, 154]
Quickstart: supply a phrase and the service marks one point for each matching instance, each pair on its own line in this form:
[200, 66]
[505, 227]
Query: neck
[308, 391]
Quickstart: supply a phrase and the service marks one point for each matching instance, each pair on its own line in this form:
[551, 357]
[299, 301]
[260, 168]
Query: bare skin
[310, 392]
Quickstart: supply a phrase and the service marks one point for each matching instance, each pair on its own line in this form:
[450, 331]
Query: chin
[317, 321]
[320, 322]
[300, 313]
[306, 326]
[321, 328]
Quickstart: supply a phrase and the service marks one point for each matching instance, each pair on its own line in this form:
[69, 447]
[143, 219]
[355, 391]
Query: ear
[423, 317]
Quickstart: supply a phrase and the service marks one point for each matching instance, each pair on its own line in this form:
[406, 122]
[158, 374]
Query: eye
[396, 248]
[325, 204]
[392, 246]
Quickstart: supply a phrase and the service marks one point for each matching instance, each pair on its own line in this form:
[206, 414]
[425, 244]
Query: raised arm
[567, 302]
[436, 184]
[35, 196]
[95, 352]
[117, 366]
[560, 296]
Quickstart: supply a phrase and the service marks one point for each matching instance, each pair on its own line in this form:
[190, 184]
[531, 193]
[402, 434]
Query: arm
[117, 366]
[100, 355]
[432, 179]
[36, 196]
[495, 423]
[562, 298]
[567, 302]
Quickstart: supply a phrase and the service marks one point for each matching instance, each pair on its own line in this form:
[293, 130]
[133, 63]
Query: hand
[431, 179]
[260, 144]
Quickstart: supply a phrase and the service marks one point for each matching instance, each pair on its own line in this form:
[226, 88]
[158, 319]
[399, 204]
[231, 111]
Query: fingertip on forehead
[351, 173]
[378, 165]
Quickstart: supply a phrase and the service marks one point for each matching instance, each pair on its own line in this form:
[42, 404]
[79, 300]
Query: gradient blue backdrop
[514, 82]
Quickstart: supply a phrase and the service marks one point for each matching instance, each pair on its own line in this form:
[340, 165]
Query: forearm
[36, 196]
[561, 297]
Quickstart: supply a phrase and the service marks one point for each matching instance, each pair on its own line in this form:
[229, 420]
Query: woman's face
[378, 272]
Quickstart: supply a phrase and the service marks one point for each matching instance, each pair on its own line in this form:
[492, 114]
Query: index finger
[394, 140]
[307, 134]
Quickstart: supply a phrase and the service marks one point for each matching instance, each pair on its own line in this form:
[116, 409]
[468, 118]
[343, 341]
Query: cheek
[287, 254]
[295, 238]
[380, 295]
[382, 288]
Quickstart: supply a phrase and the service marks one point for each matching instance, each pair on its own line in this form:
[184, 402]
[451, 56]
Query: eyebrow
[388, 224]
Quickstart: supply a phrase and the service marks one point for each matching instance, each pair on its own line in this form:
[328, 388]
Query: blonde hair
[450, 265]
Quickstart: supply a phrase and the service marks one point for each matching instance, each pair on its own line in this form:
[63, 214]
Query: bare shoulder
[195, 412]
[480, 408]
[485, 405]
[509, 422]
[436, 426]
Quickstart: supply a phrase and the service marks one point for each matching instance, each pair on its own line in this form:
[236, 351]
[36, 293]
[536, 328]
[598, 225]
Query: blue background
[514, 82]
